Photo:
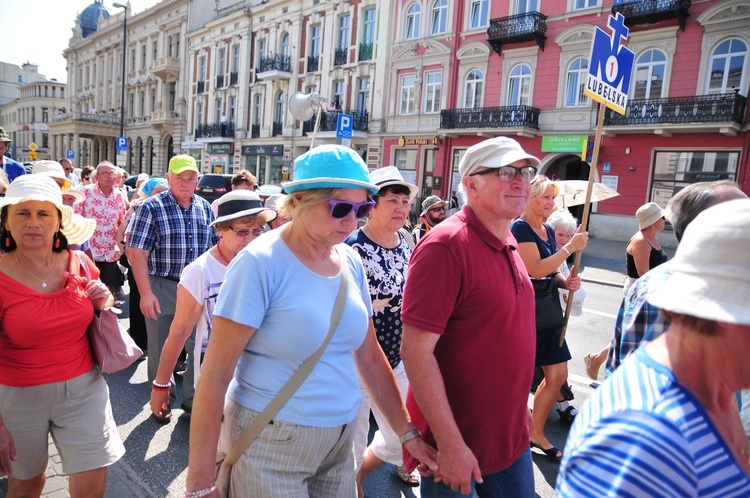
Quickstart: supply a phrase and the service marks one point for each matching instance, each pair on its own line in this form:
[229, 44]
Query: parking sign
[344, 126]
[70, 154]
[611, 65]
[122, 143]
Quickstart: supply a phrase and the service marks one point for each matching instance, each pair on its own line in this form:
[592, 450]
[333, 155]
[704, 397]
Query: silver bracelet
[408, 436]
[201, 493]
[566, 250]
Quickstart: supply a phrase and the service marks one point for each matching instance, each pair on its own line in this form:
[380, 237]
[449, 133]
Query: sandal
[568, 415]
[407, 478]
[588, 360]
[551, 452]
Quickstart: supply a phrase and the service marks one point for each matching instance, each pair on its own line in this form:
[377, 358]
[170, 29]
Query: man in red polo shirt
[469, 336]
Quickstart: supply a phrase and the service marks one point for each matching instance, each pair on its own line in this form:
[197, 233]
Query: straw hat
[79, 195]
[241, 203]
[52, 169]
[390, 175]
[79, 230]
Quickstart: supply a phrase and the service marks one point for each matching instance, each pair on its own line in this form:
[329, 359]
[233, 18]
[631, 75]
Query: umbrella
[573, 193]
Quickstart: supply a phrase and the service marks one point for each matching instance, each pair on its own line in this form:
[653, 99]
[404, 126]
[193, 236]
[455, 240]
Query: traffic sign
[122, 143]
[344, 126]
[70, 154]
[33, 155]
[33, 146]
[610, 66]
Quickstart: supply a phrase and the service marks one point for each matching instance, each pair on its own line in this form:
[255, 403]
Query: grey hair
[688, 203]
[562, 218]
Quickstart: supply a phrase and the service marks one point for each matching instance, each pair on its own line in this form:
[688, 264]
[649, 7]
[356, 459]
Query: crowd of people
[293, 313]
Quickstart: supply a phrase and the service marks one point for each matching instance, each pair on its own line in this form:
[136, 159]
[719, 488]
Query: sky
[39, 30]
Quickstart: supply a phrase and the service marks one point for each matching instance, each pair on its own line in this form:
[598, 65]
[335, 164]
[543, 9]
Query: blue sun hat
[330, 166]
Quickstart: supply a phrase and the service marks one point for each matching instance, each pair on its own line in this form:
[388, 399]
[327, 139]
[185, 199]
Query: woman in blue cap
[267, 325]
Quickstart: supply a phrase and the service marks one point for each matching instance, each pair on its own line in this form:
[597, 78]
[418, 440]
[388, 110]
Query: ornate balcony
[234, 78]
[255, 131]
[365, 51]
[163, 118]
[653, 11]
[361, 121]
[312, 63]
[513, 116]
[214, 130]
[274, 67]
[726, 108]
[518, 28]
[166, 68]
[341, 56]
[278, 126]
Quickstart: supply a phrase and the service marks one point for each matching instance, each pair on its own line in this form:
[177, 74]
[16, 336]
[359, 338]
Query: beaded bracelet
[160, 387]
[201, 493]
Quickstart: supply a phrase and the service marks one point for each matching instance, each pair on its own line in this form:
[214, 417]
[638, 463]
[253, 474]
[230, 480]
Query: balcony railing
[166, 67]
[277, 128]
[517, 28]
[653, 11]
[361, 121]
[214, 130]
[201, 86]
[276, 62]
[219, 81]
[255, 131]
[512, 116]
[365, 51]
[722, 108]
[340, 56]
[234, 77]
[312, 63]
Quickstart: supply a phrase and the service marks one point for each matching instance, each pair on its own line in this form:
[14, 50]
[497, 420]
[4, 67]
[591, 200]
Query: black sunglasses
[341, 209]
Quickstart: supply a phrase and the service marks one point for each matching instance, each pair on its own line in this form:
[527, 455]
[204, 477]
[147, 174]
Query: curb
[601, 282]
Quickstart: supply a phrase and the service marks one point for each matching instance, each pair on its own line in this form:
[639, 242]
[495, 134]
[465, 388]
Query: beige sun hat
[79, 195]
[648, 214]
[52, 169]
[40, 188]
[390, 175]
[79, 230]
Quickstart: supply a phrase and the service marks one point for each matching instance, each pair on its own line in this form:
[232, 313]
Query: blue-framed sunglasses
[341, 209]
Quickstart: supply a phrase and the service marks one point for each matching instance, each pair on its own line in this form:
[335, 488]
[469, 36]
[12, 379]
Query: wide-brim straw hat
[79, 229]
[52, 169]
[241, 203]
[390, 175]
[40, 188]
[79, 195]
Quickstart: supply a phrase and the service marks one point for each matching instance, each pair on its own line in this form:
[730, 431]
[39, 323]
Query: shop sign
[402, 141]
[192, 145]
[220, 148]
[564, 143]
[263, 150]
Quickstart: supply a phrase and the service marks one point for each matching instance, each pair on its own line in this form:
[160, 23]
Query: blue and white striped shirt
[175, 236]
[643, 434]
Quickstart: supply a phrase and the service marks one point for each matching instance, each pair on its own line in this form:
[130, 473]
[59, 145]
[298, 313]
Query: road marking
[600, 313]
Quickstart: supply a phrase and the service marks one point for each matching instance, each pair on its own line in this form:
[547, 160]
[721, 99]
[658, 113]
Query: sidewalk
[603, 262]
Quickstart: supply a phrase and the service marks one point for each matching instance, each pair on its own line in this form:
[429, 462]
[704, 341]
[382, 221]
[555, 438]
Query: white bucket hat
[648, 214]
[43, 188]
[52, 169]
[241, 203]
[713, 284]
[275, 201]
[390, 175]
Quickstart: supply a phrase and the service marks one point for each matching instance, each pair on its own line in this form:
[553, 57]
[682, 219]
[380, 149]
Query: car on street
[211, 186]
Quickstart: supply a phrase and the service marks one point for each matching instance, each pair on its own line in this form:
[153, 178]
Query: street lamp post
[124, 53]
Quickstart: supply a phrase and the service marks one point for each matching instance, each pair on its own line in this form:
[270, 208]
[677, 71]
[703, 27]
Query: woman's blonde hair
[306, 198]
[539, 185]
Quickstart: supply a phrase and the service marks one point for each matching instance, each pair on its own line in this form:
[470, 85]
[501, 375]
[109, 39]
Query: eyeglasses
[341, 209]
[106, 173]
[437, 209]
[509, 173]
[244, 233]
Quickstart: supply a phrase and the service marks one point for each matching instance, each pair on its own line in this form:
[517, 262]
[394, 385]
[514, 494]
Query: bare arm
[187, 313]
[378, 378]
[139, 266]
[540, 268]
[228, 339]
[456, 462]
[641, 252]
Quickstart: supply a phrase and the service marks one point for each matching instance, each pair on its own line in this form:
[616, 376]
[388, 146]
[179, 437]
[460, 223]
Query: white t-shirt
[202, 279]
[268, 288]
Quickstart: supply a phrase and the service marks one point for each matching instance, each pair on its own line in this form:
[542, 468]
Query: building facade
[466, 70]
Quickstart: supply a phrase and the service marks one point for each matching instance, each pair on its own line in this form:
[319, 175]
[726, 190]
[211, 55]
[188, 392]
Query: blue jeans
[517, 481]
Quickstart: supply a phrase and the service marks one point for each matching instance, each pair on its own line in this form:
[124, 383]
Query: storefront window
[674, 171]
[406, 159]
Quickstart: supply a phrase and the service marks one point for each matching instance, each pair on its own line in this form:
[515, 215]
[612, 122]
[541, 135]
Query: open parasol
[573, 193]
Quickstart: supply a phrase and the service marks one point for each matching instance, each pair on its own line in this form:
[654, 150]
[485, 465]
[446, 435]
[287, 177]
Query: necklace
[221, 254]
[43, 281]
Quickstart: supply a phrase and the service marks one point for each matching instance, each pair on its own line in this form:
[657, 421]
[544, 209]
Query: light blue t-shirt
[268, 288]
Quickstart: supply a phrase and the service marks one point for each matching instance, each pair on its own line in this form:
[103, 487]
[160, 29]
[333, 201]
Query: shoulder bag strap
[296, 380]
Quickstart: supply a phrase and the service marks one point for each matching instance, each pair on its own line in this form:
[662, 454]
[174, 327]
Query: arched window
[439, 17]
[519, 85]
[727, 61]
[575, 83]
[285, 45]
[412, 22]
[473, 89]
[649, 75]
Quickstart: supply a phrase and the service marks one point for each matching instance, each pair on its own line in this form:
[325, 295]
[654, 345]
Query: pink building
[466, 70]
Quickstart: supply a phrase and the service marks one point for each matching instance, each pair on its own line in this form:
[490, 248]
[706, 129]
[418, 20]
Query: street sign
[610, 66]
[122, 143]
[33, 155]
[563, 143]
[70, 154]
[33, 147]
[344, 129]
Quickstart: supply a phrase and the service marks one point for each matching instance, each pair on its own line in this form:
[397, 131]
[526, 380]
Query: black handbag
[549, 313]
